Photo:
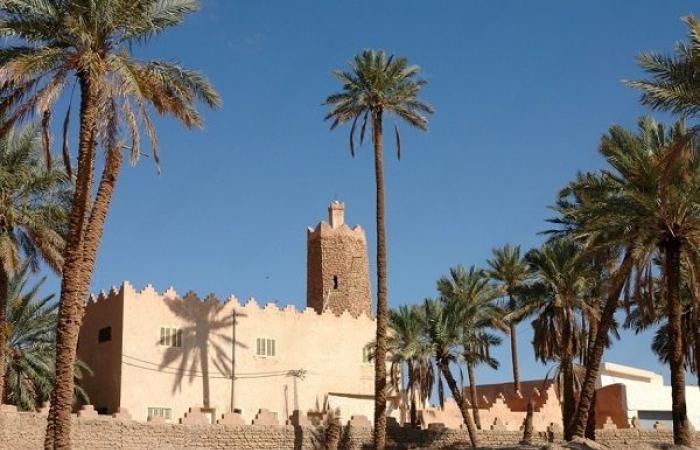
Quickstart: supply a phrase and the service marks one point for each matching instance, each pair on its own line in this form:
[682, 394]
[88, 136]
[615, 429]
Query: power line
[178, 369]
[201, 374]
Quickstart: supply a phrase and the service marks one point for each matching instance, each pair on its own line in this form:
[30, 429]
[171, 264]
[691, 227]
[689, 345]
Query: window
[335, 281]
[165, 413]
[170, 337]
[367, 354]
[265, 347]
[104, 335]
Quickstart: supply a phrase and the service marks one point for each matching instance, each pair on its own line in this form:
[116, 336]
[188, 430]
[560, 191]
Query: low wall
[25, 431]
[444, 439]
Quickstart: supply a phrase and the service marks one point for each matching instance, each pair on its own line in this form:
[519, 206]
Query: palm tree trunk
[73, 285]
[567, 369]
[592, 333]
[590, 425]
[3, 329]
[100, 208]
[457, 395]
[412, 390]
[414, 408]
[527, 423]
[473, 395]
[65, 364]
[595, 356]
[380, 355]
[681, 427]
[514, 357]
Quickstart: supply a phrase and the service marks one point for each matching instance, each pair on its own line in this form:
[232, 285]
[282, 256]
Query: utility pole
[298, 374]
[233, 360]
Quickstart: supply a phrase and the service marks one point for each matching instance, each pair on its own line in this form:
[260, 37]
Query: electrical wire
[201, 374]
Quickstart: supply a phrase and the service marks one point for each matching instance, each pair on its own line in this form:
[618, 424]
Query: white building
[626, 392]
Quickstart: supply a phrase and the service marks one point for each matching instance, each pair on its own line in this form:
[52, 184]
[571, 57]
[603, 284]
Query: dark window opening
[102, 410]
[335, 281]
[105, 334]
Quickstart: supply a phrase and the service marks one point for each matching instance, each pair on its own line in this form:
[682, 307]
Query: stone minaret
[337, 270]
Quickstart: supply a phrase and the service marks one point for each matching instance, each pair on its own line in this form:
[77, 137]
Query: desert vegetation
[624, 239]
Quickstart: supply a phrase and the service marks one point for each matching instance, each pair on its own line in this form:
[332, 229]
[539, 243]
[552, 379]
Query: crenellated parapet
[324, 229]
[127, 293]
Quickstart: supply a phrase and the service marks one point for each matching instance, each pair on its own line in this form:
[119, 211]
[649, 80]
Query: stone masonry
[337, 266]
[25, 431]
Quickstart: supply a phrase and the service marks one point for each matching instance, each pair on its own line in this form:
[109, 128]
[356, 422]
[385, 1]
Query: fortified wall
[25, 431]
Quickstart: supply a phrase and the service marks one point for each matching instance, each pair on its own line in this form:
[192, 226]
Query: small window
[367, 353]
[165, 413]
[170, 337]
[102, 410]
[104, 335]
[265, 347]
[335, 282]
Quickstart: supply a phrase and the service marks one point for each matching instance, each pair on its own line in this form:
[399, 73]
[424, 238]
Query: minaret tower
[337, 269]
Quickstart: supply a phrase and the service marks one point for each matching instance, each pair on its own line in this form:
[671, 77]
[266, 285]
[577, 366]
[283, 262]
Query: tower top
[337, 267]
[336, 214]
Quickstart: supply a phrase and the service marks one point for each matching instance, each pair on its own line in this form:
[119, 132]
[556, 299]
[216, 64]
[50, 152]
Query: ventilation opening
[335, 281]
[104, 334]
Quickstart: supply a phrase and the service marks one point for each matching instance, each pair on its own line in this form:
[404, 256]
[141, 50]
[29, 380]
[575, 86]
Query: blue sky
[523, 91]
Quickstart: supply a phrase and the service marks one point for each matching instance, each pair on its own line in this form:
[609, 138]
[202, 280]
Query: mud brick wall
[25, 431]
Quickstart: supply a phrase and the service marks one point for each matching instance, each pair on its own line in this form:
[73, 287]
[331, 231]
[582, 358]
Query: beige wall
[504, 407]
[104, 358]
[325, 347]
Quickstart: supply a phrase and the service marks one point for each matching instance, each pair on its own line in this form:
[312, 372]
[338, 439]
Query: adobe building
[157, 354]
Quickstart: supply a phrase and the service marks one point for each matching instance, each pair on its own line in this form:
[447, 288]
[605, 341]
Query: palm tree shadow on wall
[206, 341]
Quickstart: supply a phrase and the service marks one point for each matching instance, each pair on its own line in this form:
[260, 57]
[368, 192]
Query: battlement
[324, 229]
[128, 293]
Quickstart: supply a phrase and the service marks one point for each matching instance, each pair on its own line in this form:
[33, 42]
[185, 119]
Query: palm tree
[91, 41]
[646, 205]
[674, 85]
[584, 210]
[33, 210]
[377, 84]
[558, 292]
[408, 345]
[29, 361]
[476, 350]
[511, 271]
[639, 320]
[468, 296]
[444, 328]
[691, 314]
